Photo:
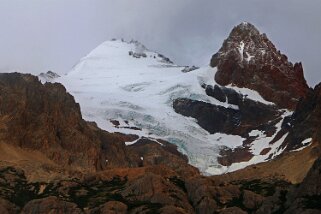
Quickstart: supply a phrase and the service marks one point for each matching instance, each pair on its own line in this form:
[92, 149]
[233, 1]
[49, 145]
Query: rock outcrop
[249, 115]
[45, 118]
[304, 123]
[249, 59]
[7, 207]
[50, 205]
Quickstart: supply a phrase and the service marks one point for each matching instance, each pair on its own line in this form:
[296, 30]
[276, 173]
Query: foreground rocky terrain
[53, 161]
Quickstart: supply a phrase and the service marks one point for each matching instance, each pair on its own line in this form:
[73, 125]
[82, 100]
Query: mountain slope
[145, 177]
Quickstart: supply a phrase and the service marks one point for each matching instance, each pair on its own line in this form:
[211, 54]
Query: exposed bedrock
[249, 59]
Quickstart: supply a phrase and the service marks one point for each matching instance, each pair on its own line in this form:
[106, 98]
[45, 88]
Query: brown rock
[148, 152]
[226, 194]
[265, 151]
[50, 205]
[232, 210]
[198, 190]
[248, 59]
[229, 156]
[111, 207]
[7, 207]
[172, 210]
[157, 190]
[206, 205]
[252, 200]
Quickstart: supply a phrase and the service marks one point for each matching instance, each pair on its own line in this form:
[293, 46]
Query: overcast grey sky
[41, 35]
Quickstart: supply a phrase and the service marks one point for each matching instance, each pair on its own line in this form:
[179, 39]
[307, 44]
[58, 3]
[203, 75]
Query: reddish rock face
[50, 205]
[46, 118]
[7, 207]
[249, 59]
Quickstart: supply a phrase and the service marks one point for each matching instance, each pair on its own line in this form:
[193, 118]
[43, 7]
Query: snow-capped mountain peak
[123, 54]
[124, 87]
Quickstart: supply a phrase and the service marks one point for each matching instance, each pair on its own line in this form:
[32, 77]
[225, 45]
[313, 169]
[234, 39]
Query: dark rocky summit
[249, 59]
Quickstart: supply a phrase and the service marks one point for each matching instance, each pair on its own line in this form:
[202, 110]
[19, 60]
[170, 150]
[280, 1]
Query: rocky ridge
[249, 59]
[47, 119]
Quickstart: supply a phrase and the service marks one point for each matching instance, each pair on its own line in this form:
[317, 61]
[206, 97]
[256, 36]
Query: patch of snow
[258, 145]
[306, 143]
[231, 141]
[159, 143]
[256, 159]
[132, 142]
[250, 94]
[241, 49]
[256, 133]
[263, 141]
[248, 57]
[47, 77]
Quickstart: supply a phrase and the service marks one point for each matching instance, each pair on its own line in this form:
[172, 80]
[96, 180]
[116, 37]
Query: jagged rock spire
[249, 59]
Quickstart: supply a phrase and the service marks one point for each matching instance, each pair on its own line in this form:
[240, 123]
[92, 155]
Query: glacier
[125, 82]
